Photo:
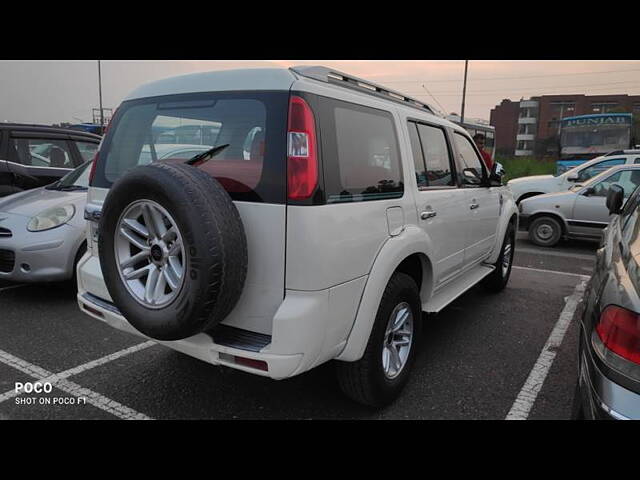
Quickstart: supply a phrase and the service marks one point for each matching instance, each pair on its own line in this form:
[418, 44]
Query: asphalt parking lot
[479, 359]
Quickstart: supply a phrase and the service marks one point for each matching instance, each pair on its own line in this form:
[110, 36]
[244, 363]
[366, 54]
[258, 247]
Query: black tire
[214, 242]
[9, 190]
[79, 254]
[498, 279]
[577, 409]
[552, 231]
[364, 380]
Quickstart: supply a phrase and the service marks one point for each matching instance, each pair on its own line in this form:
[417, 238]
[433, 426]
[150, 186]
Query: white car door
[483, 202]
[440, 203]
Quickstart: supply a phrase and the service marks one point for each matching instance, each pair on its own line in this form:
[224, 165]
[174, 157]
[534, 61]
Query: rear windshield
[178, 127]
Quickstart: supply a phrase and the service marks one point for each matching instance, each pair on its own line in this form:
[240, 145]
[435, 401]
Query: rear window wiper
[202, 157]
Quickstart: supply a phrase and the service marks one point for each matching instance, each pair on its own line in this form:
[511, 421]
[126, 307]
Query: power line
[519, 89]
[515, 78]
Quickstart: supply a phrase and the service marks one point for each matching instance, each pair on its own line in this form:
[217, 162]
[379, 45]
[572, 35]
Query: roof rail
[325, 74]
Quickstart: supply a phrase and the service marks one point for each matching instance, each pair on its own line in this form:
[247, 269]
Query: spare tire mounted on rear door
[173, 250]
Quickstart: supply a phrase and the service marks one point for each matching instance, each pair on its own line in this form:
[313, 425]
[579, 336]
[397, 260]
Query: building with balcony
[532, 126]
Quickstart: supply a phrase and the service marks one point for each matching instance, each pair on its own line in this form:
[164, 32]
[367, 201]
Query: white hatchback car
[330, 214]
[527, 187]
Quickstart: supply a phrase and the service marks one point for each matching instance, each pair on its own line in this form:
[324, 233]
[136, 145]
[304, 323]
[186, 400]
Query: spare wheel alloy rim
[150, 254]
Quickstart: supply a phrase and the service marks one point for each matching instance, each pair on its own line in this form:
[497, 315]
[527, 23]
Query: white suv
[527, 187]
[327, 215]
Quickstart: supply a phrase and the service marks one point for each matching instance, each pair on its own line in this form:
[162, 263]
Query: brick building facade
[531, 127]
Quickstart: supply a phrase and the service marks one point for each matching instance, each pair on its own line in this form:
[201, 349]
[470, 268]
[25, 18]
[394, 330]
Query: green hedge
[516, 167]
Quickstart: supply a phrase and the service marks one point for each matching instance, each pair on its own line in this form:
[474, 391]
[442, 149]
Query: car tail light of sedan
[619, 330]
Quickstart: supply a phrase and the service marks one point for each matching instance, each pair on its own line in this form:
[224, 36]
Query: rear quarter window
[360, 153]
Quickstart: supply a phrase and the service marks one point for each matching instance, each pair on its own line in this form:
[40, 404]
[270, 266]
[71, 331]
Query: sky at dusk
[65, 91]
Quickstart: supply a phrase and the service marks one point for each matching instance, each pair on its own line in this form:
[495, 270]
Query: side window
[599, 167]
[418, 158]
[87, 150]
[37, 152]
[436, 154]
[627, 179]
[637, 160]
[360, 153]
[471, 167]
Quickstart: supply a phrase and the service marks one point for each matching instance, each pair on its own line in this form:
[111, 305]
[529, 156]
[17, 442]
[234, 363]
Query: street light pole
[464, 90]
[100, 94]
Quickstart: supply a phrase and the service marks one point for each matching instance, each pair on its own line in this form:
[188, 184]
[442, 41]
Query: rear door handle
[427, 214]
[473, 206]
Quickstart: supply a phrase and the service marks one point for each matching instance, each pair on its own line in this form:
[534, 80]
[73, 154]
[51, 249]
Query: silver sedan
[580, 212]
[42, 231]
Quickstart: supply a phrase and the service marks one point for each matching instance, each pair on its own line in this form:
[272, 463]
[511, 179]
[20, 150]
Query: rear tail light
[302, 163]
[619, 330]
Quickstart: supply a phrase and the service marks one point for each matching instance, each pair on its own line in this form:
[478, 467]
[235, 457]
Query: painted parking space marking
[557, 272]
[526, 398]
[61, 382]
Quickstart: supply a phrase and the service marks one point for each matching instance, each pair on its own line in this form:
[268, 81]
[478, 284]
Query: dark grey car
[608, 385]
[33, 156]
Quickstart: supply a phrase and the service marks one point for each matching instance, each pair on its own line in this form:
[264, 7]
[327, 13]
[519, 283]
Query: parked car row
[274, 249]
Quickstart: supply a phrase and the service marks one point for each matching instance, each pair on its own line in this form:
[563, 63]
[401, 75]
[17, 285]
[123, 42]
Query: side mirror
[471, 176]
[572, 177]
[615, 199]
[589, 191]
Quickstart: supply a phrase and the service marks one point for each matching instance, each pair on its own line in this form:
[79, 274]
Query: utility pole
[464, 90]
[100, 94]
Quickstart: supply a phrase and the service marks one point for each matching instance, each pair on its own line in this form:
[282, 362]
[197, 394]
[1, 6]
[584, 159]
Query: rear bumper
[201, 346]
[308, 328]
[602, 398]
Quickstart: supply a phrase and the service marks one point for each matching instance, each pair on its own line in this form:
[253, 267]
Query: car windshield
[78, 178]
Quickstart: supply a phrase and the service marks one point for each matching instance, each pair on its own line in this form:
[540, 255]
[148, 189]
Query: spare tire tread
[214, 241]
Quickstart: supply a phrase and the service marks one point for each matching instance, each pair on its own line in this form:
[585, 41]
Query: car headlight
[51, 218]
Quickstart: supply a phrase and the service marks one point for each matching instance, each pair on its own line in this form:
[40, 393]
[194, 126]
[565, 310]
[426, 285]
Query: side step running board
[447, 294]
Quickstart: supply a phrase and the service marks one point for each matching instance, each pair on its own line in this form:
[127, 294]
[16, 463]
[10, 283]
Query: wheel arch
[409, 253]
[508, 216]
[526, 195]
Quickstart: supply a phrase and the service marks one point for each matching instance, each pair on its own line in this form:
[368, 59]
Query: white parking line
[526, 398]
[557, 272]
[60, 381]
